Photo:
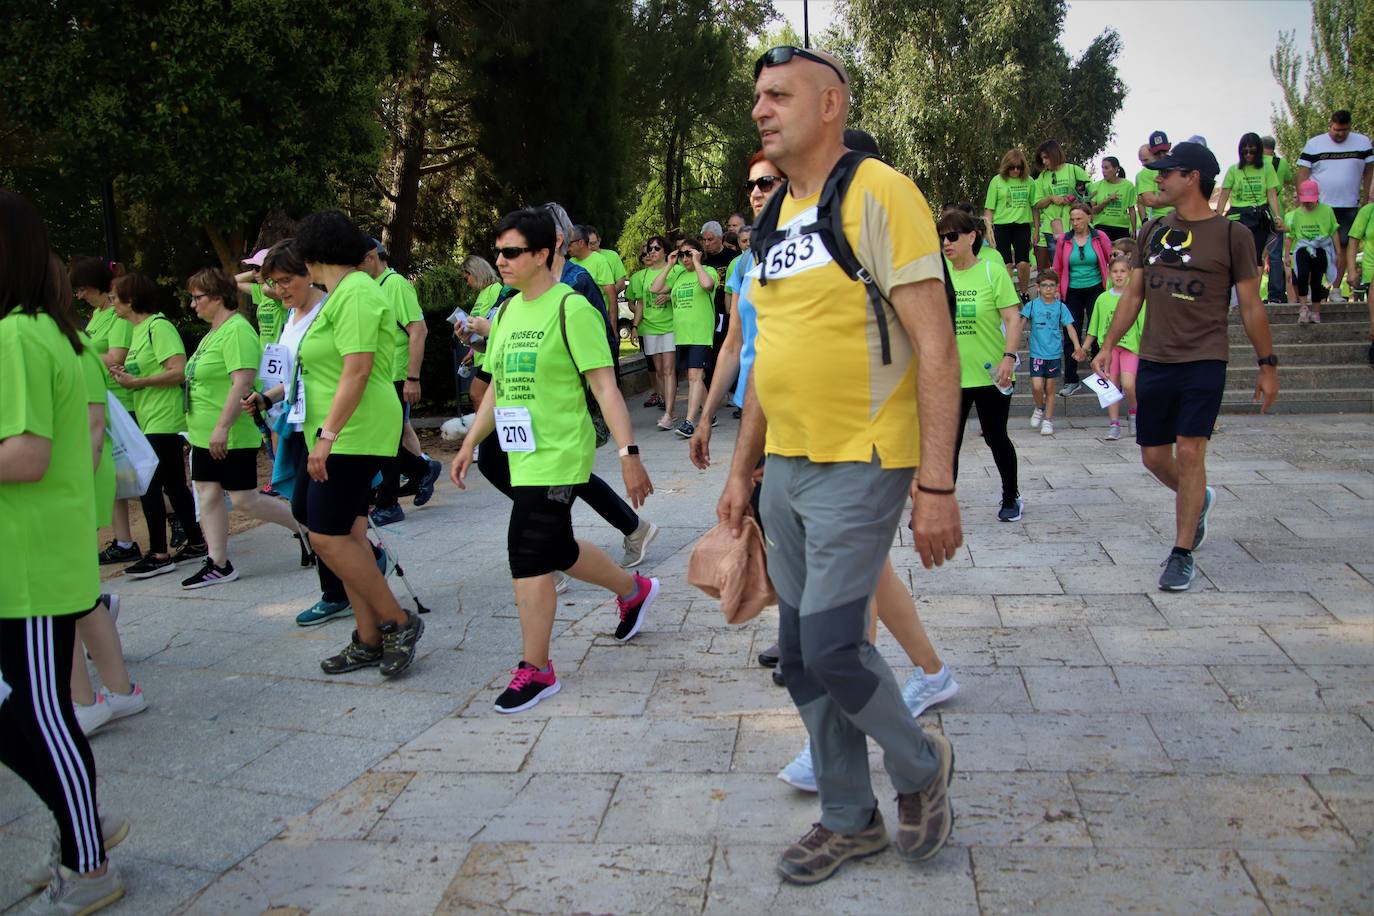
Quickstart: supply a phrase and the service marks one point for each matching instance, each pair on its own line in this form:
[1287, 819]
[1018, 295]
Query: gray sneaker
[1070, 389]
[821, 852]
[1207, 502]
[925, 817]
[636, 544]
[112, 827]
[69, 893]
[1179, 572]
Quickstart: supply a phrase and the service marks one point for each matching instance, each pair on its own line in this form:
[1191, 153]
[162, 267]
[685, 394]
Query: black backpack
[829, 226]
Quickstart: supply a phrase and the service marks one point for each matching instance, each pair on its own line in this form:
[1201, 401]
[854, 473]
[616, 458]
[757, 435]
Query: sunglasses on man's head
[510, 252]
[764, 183]
[776, 57]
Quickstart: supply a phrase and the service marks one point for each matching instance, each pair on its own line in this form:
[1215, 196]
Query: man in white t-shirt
[1341, 163]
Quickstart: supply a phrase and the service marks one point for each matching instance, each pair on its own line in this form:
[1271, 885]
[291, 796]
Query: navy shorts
[1177, 399]
[693, 356]
[1046, 368]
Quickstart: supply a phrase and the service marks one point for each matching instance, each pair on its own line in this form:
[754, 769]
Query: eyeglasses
[510, 252]
[196, 297]
[270, 283]
[686, 254]
[950, 236]
[1014, 168]
[764, 183]
[776, 57]
[654, 248]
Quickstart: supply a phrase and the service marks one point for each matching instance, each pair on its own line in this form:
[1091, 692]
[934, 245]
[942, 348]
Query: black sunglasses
[654, 248]
[764, 183]
[776, 57]
[1014, 168]
[510, 252]
[1165, 173]
[950, 236]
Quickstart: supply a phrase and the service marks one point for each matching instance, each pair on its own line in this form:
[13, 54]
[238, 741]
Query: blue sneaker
[426, 490]
[1207, 502]
[800, 774]
[322, 612]
[922, 691]
[1179, 572]
[388, 516]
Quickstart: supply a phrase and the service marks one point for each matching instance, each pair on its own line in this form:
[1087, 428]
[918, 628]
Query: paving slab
[1312, 882]
[1125, 688]
[1267, 743]
[1055, 742]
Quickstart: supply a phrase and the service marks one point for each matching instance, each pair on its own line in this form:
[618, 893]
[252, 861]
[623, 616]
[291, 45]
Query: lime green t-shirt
[599, 268]
[1118, 212]
[110, 332]
[1316, 223]
[992, 256]
[694, 308]
[156, 340]
[980, 294]
[533, 369]
[354, 319]
[1058, 183]
[48, 563]
[271, 315]
[616, 264]
[405, 308]
[1363, 229]
[1104, 309]
[658, 319]
[1286, 176]
[228, 348]
[1009, 199]
[94, 373]
[1249, 187]
[1147, 182]
[486, 298]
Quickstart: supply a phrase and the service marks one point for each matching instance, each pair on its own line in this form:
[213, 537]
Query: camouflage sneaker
[357, 654]
[398, 644]
[821, 852]
[926, 816]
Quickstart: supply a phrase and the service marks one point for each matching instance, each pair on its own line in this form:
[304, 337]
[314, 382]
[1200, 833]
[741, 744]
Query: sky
[1210, 78]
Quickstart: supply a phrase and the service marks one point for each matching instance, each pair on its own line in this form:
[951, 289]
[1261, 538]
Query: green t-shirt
[486, 298]
[991, 255]
[405, 308]
[980, 293]
[228, 348]
[617, 265]
[1249, 187]
[1316, 223]
[1058, 183]
[1118, 212]
[658, 319]
[1286, 176]
[270, 313]
[1147, 182]
[1363, 229]
[354, 319]
[533, 369]
[1009, 199]
[694, 308]
[156, 340]
[94, 374]
[48, 561]
[599, 268]
[110, 332]
[1104, 309]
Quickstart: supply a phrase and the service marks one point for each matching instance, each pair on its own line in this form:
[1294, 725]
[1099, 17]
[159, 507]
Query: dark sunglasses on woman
[764, 183]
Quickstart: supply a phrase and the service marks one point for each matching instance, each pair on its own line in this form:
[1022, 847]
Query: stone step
[1307, 377]
[1292, 332]
[1234, 401]
[1331, 311]
[1291, 354]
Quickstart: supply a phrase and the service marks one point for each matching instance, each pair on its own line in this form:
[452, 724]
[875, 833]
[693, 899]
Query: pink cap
[1308, 192]
[256, 259]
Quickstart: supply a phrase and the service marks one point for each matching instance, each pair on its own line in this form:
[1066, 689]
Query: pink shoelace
[626, 605]
[522, 677]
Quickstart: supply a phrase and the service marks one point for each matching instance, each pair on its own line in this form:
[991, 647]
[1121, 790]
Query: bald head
[800, 106]
[1145, 154]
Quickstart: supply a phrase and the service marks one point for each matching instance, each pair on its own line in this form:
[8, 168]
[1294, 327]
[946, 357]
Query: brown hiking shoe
[821, 852]
[926, 816]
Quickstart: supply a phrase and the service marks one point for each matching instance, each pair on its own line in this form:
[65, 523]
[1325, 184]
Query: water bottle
[465, 370]
[992, 374]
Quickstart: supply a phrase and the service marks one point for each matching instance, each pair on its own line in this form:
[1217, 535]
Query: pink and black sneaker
[527, 688]
[632, 611]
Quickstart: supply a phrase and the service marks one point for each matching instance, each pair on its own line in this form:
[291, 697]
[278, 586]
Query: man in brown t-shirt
[1186, 263]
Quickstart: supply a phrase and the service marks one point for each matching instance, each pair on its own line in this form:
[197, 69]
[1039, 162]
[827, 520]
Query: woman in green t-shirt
[1251, 187]
[352, 422]
[50, 575]
[154, 370]
[92, 281]
[1058, 184]
[653, 323]
[1311, 251]
[482, 277]
[1113, 201]
[224, 439]
[691, 284]
[1007, 216]
[987, 328]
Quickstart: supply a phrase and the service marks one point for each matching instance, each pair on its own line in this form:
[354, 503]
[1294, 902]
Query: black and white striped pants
[39, 736]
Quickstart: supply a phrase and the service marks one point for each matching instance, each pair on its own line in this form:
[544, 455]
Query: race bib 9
[1107, 393]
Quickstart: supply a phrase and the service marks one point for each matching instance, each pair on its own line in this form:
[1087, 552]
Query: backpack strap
[563, 329]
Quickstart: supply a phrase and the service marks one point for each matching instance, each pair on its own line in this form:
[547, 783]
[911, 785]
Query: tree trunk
[404, 199]
[227, 249]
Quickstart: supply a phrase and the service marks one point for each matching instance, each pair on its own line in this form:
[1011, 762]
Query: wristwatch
[1015, 356]
[323, 433]
[629, 450]
[1270, 360]
[412, 378]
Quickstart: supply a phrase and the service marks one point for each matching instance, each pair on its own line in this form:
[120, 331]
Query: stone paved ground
[1118, 748]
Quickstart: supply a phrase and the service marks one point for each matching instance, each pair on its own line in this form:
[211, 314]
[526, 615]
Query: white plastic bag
[135, 461]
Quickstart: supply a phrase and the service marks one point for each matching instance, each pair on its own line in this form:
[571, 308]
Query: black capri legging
[1013, 242]
[169, 478]
[993, 408]
[1309, 272]
[596, 493]
[43, 742]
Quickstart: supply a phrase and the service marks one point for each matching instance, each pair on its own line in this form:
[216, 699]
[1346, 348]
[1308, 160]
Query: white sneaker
[68, 892]
[113, 827]
[922, 691]
[1335, 295]
[124, 704]
[560, 582]
[91, 718]
[1047, 428]
[800, 773]
[1036, 417]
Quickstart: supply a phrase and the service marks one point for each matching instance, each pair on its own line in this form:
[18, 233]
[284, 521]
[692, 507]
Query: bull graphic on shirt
[1169, 247]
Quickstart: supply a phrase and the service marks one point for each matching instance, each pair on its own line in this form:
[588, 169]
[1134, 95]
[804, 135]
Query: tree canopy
[1335, 74]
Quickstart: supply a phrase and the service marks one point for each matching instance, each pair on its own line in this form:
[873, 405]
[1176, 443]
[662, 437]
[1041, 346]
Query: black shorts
[540, 538]
[1114, 232]
[482, 374]
[1345, 218]
[332, 506]
[693, 356]
[237, 470]
[1177, 399]
[405, 408]
[1013, 242]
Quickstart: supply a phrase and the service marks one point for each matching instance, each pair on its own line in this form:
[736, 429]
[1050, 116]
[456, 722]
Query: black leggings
[993, 407]
[42, 741]
[1080, 305]
[169, 478]
[406, 462]
[1309, 272]
[596, 493]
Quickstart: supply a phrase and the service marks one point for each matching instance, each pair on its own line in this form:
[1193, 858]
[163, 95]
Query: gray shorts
[830, 527]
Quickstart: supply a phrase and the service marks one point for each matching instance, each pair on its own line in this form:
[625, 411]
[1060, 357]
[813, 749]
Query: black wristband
[934, 492]
[412, 378]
